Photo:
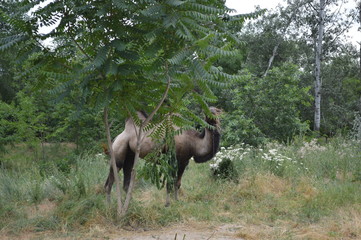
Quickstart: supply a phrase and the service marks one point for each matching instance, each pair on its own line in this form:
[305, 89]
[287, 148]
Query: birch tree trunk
[271, 60]
[359, 19]
[283, 32]
[318, 60]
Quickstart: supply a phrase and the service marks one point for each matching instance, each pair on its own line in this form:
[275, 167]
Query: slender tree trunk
[114, 166]
[275, 49]
[359, 11]
[318, 60]
[140, 138]
[133, 173]
[271, 60]
[359, 19]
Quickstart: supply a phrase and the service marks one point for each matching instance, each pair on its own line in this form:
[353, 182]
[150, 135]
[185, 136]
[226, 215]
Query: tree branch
[140, 139]
[80, 47]
[149, 118]
[114, 165]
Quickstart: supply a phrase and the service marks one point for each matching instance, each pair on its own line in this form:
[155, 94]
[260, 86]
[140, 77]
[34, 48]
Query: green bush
[266, 107]
[224, 170]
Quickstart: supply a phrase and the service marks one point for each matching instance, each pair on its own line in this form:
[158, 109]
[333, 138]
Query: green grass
[313, 185]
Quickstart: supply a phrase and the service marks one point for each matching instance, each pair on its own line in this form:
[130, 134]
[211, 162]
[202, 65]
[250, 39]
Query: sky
[247, 6]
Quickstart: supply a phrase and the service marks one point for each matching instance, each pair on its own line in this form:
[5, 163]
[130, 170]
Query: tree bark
[114, 166]
[283, 32]
[271, 60]
[140, 139]
[359, 19]
[318, 61]
[359, 9]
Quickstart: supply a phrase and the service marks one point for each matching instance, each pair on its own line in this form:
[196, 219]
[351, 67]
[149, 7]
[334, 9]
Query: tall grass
[303, 183]
[69, 194]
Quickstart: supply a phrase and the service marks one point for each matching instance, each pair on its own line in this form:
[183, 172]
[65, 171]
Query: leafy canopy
[122, 53]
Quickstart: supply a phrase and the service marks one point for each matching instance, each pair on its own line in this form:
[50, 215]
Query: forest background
[275, 60]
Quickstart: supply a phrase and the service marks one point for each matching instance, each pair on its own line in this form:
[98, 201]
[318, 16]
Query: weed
[306, 184]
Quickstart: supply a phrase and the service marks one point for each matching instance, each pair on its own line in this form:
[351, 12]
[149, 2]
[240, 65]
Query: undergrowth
[303, 183]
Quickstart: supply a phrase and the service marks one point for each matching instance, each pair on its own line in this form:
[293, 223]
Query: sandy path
[186, 232]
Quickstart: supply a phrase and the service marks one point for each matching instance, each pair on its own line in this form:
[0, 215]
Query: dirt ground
[194, 231]
[185, 231]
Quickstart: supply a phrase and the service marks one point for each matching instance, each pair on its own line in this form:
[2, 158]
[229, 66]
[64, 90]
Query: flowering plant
[278, 162]
[223, 166]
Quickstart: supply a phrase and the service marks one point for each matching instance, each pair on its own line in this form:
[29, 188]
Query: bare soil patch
[185, 231]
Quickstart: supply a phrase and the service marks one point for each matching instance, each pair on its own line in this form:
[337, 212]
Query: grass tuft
[305, 190]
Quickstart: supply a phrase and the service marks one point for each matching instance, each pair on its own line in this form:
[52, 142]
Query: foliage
[341, 92]
[111, 65]
[106, 52]
[21, 123]
[238, 128]
[87, 66]
[266, 107]
[161, 168]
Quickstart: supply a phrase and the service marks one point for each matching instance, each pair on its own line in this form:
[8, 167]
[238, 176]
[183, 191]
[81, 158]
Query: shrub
[223, 166]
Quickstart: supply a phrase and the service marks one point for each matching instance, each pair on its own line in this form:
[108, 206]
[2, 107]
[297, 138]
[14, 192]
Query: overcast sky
[246, 6]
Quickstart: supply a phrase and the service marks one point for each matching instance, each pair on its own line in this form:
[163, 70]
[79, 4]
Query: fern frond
[154, 11]
[123, 5]
[208, 94]
[180, 121]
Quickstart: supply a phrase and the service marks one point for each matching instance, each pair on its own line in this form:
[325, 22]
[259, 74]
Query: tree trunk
[359, 11]
[133, 173]
[359, 19]
[140, 138]
[114, 166]
[271, 59]
[318, 60]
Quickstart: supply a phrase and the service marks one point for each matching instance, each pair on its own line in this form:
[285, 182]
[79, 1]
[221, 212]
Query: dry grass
[260, 205]
[306, 189]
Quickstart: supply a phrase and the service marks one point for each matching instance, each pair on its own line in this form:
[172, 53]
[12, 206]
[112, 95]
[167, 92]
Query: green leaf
[101, 56]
